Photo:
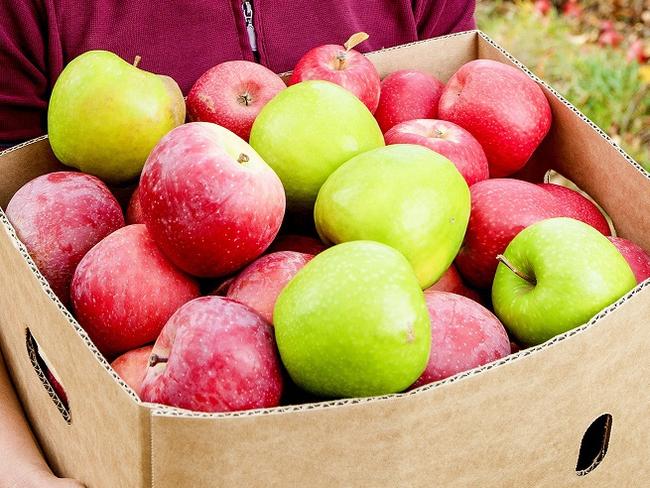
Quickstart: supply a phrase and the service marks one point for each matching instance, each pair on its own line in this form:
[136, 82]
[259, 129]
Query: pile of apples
[217, 295]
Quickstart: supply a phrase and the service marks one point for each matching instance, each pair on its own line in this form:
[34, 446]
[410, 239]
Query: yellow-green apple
[407, 95]
[209, 200]
[232, 94]
[405, 196]
[451, 282]
[124, 290]
[636, 257]
[501, 208]
[105, 115]
[132, 366]
[260, 283]
[464, 335]
[556, 275]
[448, 139]
[309, 130]
[60, 217]
[504, 109]
[344, 66]
[297, 243]
[214, 355]
[576, 206]
[353, 322]
[134, 209]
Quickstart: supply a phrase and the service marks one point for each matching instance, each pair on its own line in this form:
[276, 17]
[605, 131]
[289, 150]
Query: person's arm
[439, 17]
[21, 462]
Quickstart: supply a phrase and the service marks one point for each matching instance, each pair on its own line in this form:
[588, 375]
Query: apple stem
[136, 60]
[243, 158]
[245, 99]
[155, 359]
[340, 60]
[438, 133]
[355, 39]
[502, 259]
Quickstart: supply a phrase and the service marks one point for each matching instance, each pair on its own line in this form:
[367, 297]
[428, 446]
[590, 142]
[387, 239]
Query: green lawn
[599, 81]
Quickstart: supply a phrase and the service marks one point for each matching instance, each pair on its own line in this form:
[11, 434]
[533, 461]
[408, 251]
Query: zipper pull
[247, 8]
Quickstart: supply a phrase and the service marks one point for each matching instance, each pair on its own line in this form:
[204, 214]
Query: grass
[599, 81]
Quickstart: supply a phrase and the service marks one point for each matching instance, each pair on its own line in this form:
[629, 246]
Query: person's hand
[41, 478]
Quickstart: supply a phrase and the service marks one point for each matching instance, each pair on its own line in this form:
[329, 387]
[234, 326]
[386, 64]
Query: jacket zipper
[247, 8]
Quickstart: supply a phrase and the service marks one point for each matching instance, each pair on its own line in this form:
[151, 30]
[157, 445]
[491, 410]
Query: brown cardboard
[515, 423]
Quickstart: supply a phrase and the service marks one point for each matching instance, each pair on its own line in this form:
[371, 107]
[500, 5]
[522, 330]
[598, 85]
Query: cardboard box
[518, 422]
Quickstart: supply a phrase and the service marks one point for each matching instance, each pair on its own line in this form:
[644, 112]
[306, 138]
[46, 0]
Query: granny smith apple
[404, 195]
[105, 115]
[556, 275]
[353, 322]
[307, 131]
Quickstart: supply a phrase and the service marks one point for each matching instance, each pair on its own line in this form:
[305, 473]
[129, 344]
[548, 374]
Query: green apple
[353, 322]
[403, 195]
[556, 275]
[309, 130]
[105, 115]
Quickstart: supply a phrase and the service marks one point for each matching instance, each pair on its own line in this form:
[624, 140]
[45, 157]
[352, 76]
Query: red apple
[214, 355]
[56, 386]
[407, 95]
[132, 366]
[578, 207]
[231, 94]
[543, 7]
[636, 257]
[59, 217]
[297, 243]
[344, 66]
[501, 208]
[134, 210]
[505, 110]
[209, 200]
[451, 282]
[124, 290]
[260, 283]
[464, 335]
[610, 38]
[572, 8]
[448, 139]
[637, 52]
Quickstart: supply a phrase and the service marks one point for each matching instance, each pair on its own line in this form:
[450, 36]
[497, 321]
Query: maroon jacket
[184, 38]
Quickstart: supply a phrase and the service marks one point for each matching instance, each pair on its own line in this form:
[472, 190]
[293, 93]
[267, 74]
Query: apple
[556, 275]
[309, 130]
[56, 386]
[451, 282]
[636, 257]
[405, 196]
[407, 95]
[232, 94]
[209, 200]
[447, 139]
[501, 208]
[134, 209]
[517, 110]
[105, 115]
[297, 243]
[353, 323]
[543, 7]
[124, 290]
[214, 355]
[464, 335]
[637, 52]
[132, 366]
[260, 283]
[344, 66]
[572, 8]
[576, 206]
[59, 217]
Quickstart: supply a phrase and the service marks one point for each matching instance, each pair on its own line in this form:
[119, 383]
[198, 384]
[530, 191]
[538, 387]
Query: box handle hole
[594, 445]
[45, 373]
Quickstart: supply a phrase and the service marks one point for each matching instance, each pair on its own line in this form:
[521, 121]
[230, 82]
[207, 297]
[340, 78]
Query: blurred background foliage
[593, 52]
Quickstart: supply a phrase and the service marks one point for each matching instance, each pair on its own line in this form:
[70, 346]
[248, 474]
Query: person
[181, 39]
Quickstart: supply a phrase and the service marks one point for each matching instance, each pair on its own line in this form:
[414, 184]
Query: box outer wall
[518, 424]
